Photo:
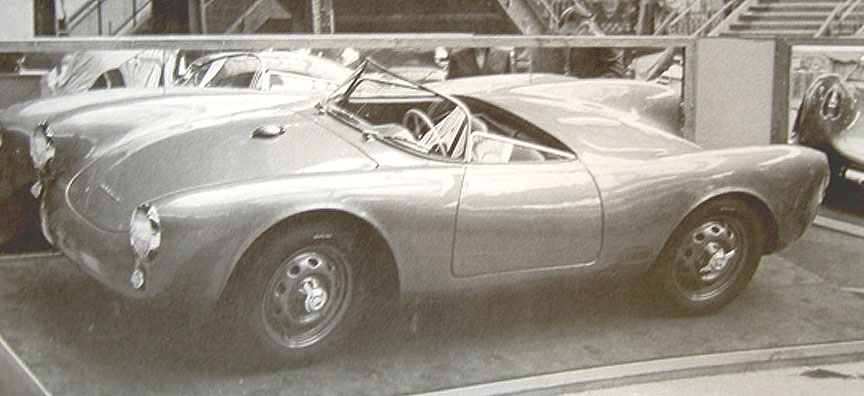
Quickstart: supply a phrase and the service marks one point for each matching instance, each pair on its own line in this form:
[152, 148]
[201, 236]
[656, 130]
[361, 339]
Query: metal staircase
[793, 18]
[545, 16]
[102, 17]
[750, 18]
[240, 16]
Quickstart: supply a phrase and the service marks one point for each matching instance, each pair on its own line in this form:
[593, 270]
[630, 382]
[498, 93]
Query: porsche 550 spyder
[300, 216]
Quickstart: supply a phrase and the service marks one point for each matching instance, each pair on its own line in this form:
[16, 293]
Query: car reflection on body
[266, 71]
[221, 74]
[302, 217]
[85, 70]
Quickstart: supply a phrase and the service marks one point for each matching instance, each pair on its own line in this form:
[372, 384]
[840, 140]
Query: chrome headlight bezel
[145, 232]
[42, 146]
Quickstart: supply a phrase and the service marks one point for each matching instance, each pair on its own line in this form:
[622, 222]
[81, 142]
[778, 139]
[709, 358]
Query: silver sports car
[299, 216]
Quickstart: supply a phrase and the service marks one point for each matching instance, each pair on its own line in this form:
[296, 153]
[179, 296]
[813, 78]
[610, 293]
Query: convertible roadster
[299, 218]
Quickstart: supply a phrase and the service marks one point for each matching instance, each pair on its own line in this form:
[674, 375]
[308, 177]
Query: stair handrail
[849, 12]
[838, 15]
[548, 5]
[86, 9]
[240, 22]
[674, 18]
[859, 32]
[738, 5]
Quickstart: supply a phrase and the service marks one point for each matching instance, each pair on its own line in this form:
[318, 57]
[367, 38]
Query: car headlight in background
[145, 236]
[41, 146]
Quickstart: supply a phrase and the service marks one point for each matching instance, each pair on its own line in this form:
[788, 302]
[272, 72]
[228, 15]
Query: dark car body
[829, 119]
[513, 178]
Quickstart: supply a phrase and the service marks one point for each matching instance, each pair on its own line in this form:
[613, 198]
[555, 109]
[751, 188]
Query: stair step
[794, 7]
[776, 25]
[824, 3]
[807, 3]
[778, 32]
[836, 2]
[785, 16]
[772, 33]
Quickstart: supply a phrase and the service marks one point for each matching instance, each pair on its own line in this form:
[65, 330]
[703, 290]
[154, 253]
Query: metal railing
[725, 14]
[846, 19]
[673, 19]
[242, 24]
[698, 17]
[552, 9]
[105, 17]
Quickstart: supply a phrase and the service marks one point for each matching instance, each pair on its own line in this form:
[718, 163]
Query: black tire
[299, 294]
[19, 214]
[709, 258]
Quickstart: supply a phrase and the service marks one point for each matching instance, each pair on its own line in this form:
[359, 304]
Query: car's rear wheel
[709, 258]
[301, 294]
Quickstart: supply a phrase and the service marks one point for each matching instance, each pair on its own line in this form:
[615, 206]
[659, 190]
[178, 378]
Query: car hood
[159, 147]
[25, 115]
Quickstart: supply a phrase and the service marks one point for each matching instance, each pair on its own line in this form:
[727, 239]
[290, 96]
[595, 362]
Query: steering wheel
[419, 119]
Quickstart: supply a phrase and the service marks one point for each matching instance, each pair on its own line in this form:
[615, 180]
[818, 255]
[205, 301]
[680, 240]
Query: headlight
[145, 232]
[41, 146]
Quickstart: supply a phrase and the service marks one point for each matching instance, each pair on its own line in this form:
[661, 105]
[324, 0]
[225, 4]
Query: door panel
[528, 216]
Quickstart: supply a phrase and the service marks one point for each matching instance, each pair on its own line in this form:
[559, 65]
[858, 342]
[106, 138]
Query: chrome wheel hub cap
[316, 296]
[304, 298]
[707, 259]
[718, 261]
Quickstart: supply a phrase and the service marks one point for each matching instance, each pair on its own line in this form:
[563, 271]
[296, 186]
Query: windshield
[232, 71]
[395, 110]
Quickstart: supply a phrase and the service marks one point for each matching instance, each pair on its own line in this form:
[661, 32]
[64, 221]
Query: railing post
[99, 16]
[203, 15]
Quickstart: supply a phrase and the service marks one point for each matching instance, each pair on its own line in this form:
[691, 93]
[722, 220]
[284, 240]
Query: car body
[422, 66]
[829, 120]
[221, 74]
[300, 211]
[84, 70]
[266, 71]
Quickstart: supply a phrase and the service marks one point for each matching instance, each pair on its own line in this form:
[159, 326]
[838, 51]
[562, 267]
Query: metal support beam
[322, 17]
[296, 41]
[196, 12]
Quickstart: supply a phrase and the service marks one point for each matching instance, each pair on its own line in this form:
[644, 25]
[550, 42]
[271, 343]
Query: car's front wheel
[709, 258]
[18, 214]
[301, 294]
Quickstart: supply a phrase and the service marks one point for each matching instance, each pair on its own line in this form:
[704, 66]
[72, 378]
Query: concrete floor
[82, 340]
